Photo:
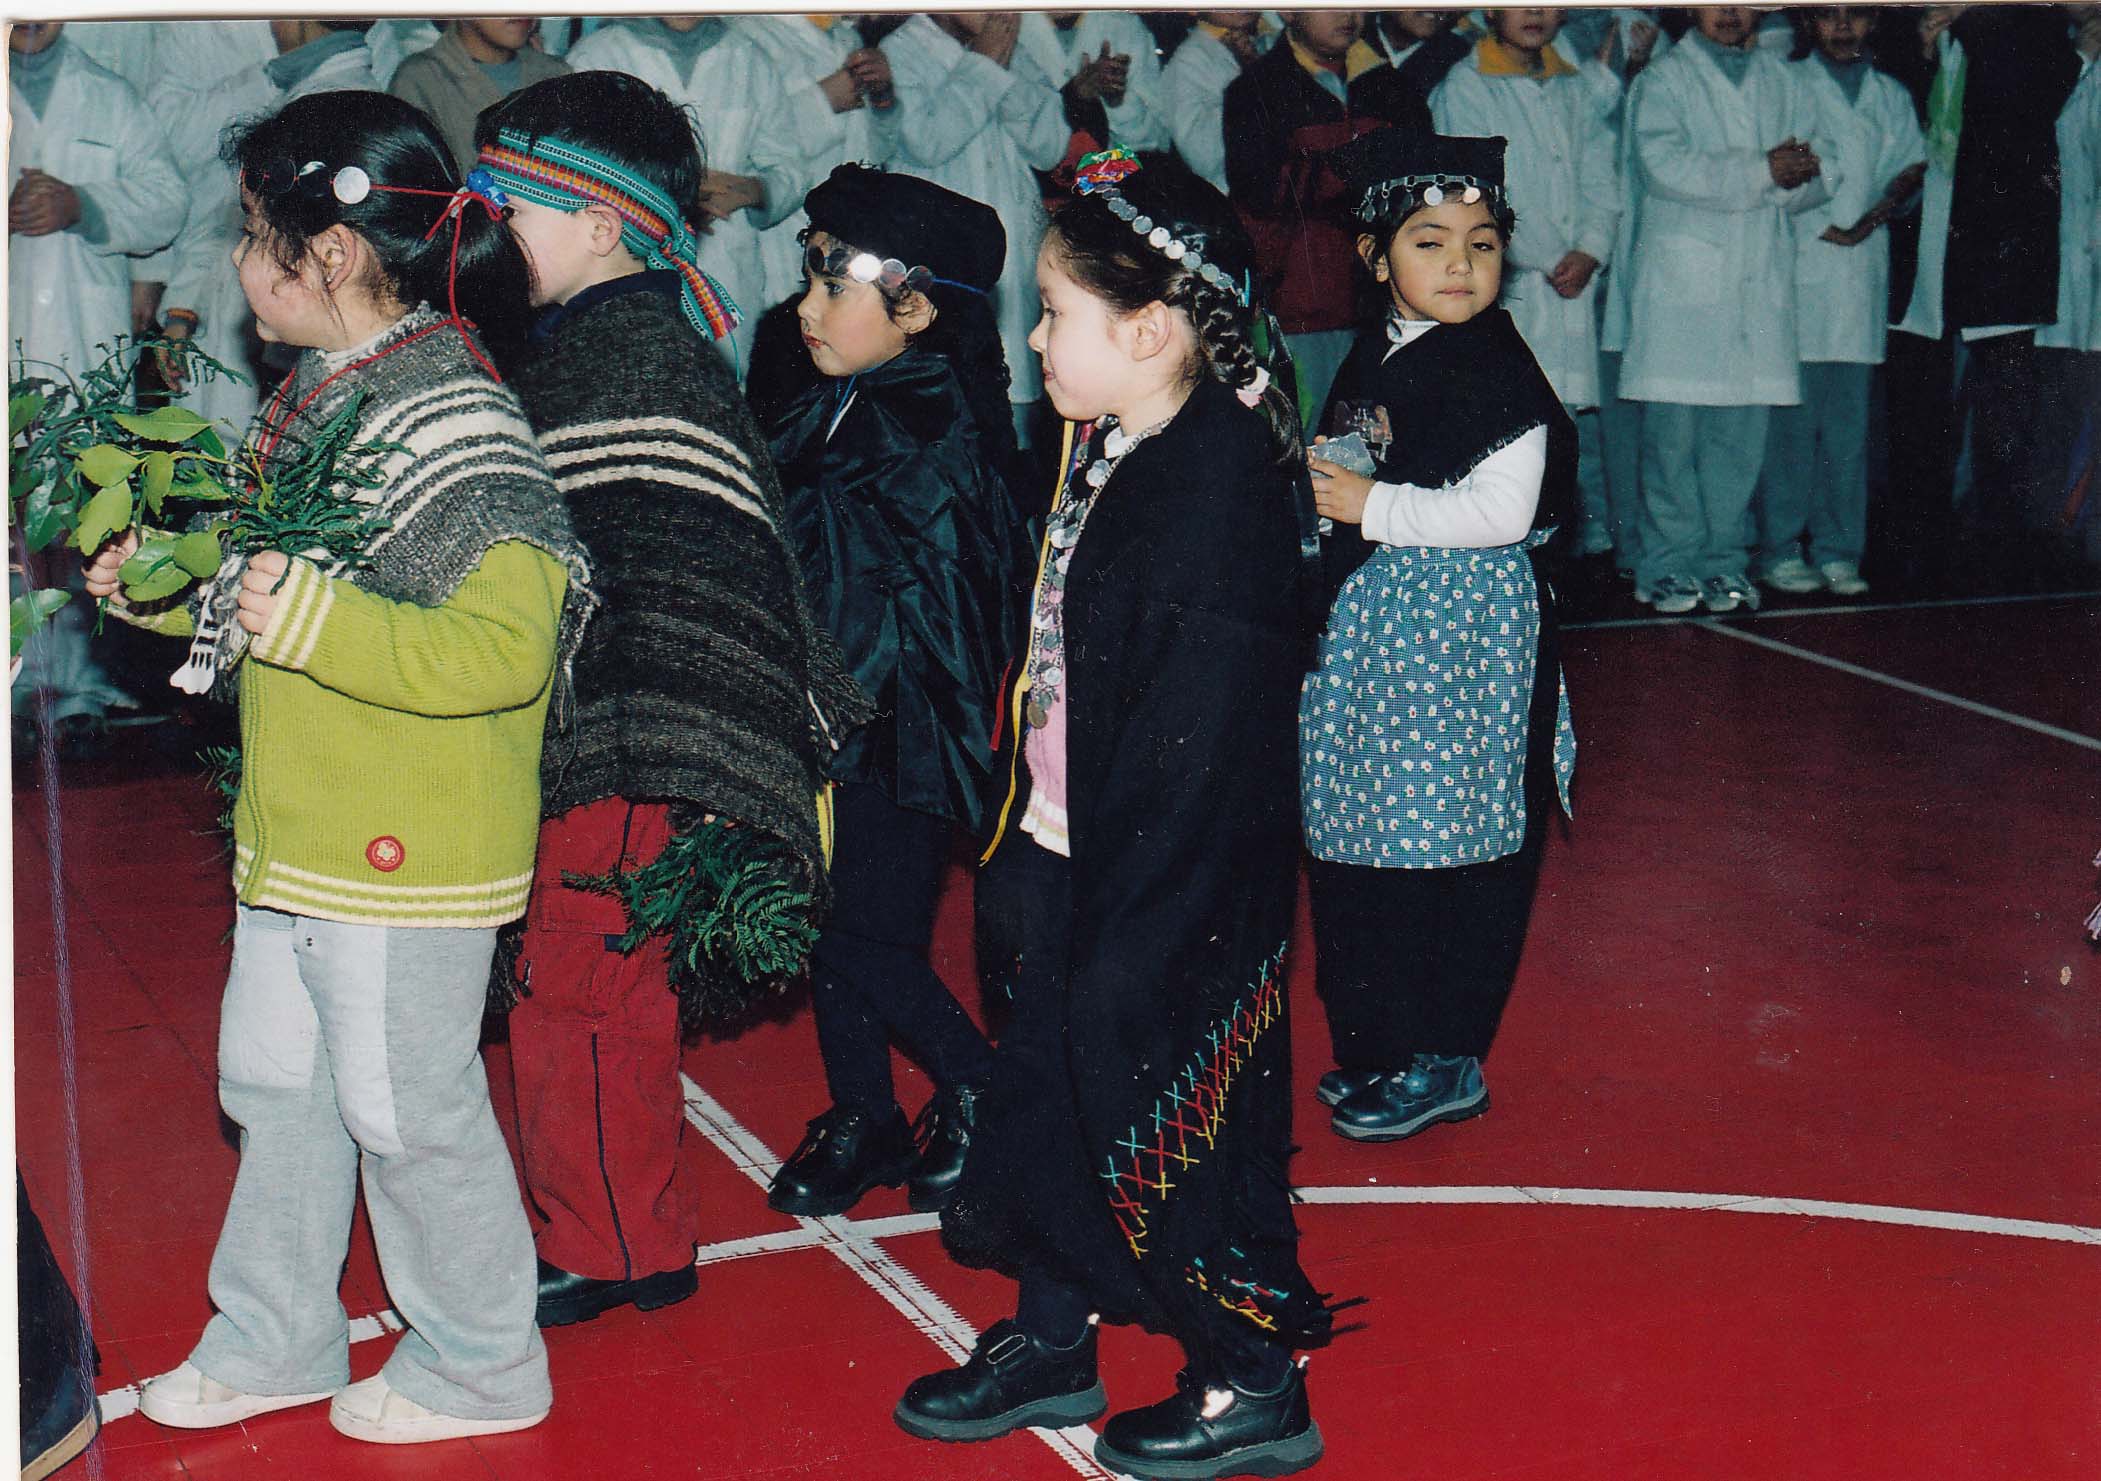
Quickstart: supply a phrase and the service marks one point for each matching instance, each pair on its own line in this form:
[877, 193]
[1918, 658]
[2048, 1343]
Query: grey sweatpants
[341, 1044]
[1815, 483]
[1699, 466]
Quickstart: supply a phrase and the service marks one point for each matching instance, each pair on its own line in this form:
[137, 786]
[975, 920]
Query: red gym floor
[1794, 1169]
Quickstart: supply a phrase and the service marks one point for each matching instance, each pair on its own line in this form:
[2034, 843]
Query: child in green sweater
[391, 720]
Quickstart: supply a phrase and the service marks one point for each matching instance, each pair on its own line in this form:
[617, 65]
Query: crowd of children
[717, 356]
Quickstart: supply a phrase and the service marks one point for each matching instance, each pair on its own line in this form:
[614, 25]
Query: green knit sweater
[391, 746]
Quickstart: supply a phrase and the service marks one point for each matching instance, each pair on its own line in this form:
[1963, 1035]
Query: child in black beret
[916, 556]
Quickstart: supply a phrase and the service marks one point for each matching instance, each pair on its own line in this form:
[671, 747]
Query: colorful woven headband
[1099, 174]
[1432, 190]
[550, 172]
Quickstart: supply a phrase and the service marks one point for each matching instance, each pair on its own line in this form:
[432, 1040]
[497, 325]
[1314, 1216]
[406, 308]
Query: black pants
[1420, 961]
[57, 1355]
[870, 980]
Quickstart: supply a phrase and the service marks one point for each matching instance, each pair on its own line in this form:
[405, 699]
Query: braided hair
[1235, 340]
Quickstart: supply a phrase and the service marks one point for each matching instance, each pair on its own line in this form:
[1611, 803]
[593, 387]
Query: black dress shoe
[943, 1133]
[65, 1428]
[1204, 1432]
[843, 1155]
[1337, 1086]
[566, 1298]
[1011, 1380]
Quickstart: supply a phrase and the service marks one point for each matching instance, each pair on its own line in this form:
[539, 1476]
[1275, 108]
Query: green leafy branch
[734, 908]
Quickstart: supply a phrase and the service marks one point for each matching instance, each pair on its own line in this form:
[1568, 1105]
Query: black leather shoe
[566, 1298]
[1011, 1380]
[1337, 1086]
[65, 1428]
[1204, 1432]
[943, 1133]
[843, 1155]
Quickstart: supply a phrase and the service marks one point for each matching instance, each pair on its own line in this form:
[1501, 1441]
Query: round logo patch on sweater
[385, 853]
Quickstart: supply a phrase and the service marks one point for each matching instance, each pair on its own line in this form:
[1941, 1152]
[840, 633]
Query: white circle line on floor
[1845, 609]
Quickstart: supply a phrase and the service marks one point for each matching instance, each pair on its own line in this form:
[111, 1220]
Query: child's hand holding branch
[1338, 494]
[260, 579]
[100, 574]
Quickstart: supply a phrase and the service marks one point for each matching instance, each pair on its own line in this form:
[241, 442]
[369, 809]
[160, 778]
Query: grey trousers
[1619, 428]
[1699, 468]
[340, 1045]
[1815, 483]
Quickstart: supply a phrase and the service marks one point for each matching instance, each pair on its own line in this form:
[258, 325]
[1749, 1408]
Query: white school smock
[734, 90]
[1612, 332]
[189, 57]
[201, 275]
[807, 131]
[2078, 325]
[1139, 122]
[1712, 282]
[1842, 293]
[1563, 180]
[1193, 99]
[65, 293]
[982, 130]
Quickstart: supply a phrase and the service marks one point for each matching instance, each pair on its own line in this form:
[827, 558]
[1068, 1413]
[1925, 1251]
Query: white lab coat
[1193, 97]
[1842, 293]
[66, 294]
[124, 47]
[1612, 333]
[188, 57]
[808, 131]
[979, 129]
[1564, 185]
[1712, 280]
[1139, 122]
[2078, 325]
[201, 276]
[735, 91]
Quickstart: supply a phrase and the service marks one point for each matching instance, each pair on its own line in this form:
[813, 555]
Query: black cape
[916, 557]
[1166, 1196]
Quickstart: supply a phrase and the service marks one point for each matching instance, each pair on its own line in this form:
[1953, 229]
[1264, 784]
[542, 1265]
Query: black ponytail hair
[1101, 253]
[394, 144]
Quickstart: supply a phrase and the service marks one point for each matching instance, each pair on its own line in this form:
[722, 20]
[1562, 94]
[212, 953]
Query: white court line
[935, 1319]
[1844, 609]
[854, 1241]
[1876, 676]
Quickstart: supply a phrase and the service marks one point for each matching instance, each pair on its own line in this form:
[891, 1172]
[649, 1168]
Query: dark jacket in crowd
[2002, 225]
[916, 559]
[1280, 125]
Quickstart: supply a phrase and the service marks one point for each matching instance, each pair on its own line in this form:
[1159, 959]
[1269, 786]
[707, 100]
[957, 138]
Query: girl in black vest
[1131, 1155]
[894, 463]
[1434, 733]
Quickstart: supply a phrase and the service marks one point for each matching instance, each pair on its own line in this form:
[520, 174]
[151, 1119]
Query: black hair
[613, 115]
[394, 144]
[1803, 19]
[1101, 253]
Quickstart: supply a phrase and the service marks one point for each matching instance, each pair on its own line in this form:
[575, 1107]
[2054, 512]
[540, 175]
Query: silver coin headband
[1434, 190]
[1099, 173]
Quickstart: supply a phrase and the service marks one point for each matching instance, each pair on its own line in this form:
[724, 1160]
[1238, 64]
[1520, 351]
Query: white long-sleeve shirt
[1491, 505]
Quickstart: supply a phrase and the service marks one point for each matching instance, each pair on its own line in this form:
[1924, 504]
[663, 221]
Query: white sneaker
[374, 1411]
[1727, 593]
[1671, 594]
[1843, 577]
[1793, 575]
[186, 1399]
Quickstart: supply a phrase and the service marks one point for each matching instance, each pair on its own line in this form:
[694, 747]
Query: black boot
[943, 1133]
[1011, 1380]
[1337, 1086]
[1206, 1431]
[843, 1155]
[566, 1298]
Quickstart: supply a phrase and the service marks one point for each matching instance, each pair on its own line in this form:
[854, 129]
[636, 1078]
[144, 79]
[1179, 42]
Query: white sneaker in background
[1794, 576]
[1843, 579]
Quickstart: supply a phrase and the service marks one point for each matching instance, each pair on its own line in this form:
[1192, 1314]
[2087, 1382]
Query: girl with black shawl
[1434, 732]
[1131, 1152]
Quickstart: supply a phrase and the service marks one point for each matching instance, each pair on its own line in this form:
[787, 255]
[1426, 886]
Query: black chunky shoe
[1011, 1380]
[1337, 1086]
[943, 1133]
[66, 1427]
[567, 1298]
[843, 1155]
[1205, 1432]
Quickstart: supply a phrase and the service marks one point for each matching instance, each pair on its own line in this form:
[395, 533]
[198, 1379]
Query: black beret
[1374, 165]
[919, 223]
